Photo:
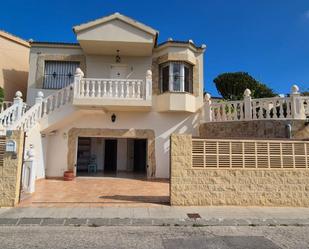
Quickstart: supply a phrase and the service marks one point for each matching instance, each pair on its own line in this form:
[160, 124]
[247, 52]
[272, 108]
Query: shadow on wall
[14, 81]
[188, 125]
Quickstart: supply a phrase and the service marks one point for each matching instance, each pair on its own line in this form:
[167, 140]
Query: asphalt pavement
[150, 237]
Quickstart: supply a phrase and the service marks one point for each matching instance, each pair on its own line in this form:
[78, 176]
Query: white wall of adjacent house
[163, 125]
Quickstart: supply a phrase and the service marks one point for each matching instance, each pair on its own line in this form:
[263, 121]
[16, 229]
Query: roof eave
[94, 23]
[54, 44]
[186, 44]
[14, 38]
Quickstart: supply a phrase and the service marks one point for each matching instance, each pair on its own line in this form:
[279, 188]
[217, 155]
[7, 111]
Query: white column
[77, 78]
[247, 105]
[148, 90]
[30, 164]
[170, 78]
[207, 108]
[39, 97]
[297, 105]
[18, 102]
[39, 100]
[182, 77]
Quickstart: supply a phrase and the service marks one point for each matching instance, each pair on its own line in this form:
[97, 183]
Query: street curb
[98, 222]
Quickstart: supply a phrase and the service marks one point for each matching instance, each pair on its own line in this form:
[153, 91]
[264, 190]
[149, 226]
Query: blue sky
[267, 38]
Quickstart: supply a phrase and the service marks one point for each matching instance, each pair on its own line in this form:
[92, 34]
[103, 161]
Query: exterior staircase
[20, 117]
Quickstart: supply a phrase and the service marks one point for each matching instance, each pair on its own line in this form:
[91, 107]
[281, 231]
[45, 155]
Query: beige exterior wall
[10, 172]
[176, 52]
[176, 102]
[115, 31]
[14, 65]
[99, 66]
[38, 54]
[240, 187]
[56, 142]
[185, 53]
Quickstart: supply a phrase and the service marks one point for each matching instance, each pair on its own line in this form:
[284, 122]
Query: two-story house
[125, 95]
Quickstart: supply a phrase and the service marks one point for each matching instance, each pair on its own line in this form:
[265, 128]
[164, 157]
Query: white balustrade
[305, 105]
[227, 111]
[5, 105]
[43, 107]
[292, 107]
[13, 112]
[16, 115]
[111, 88]
[271, 108]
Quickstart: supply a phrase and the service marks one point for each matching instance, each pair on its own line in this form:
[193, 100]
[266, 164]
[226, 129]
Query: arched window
[176, 76]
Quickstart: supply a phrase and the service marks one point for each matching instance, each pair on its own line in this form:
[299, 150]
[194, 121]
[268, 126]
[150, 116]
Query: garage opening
[123, 157]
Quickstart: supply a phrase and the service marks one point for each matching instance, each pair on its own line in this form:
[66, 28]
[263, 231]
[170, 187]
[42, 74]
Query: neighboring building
[134, 94]
[14, 64]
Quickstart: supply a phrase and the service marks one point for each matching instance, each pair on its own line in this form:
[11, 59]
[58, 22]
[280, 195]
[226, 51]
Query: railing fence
[292, 107]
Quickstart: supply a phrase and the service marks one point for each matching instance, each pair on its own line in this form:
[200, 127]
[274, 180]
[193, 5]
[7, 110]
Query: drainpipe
[288, 130]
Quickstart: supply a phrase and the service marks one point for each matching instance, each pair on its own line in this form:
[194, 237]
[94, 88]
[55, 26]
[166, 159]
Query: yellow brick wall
[240, 187]
[10, 172]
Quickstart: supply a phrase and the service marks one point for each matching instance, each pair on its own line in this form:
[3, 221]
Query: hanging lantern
[118, 59]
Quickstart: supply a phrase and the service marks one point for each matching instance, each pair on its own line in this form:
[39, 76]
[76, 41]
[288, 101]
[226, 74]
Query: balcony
[113, 94]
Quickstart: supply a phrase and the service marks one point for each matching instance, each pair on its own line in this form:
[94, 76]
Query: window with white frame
[59, 74]
[176, 76]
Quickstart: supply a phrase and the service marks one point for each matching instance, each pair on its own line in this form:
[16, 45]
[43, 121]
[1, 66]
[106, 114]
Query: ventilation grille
[209, 153]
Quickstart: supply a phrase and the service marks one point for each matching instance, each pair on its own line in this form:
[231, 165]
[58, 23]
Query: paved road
[121, 237]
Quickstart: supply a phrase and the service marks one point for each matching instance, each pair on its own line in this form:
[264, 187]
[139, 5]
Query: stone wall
[240, 187]
[10, 172]
[254, 129]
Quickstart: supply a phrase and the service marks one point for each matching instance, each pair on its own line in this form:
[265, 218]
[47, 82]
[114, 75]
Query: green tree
[231, 86]
[306, 93]
[1, 94]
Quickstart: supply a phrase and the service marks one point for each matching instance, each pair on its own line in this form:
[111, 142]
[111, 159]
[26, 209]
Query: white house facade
[117, 103]
[114, 98]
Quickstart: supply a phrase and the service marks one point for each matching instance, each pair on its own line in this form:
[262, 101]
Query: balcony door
[119, 71]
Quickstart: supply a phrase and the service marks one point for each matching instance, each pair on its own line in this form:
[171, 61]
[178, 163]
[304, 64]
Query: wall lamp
[113, 117]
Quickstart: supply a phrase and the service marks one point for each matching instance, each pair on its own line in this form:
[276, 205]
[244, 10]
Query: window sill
[177, 92]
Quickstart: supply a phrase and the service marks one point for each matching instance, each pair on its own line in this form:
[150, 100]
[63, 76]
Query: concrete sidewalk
[162, 215]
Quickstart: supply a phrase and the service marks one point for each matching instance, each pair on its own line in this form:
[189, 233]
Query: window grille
[59, 74]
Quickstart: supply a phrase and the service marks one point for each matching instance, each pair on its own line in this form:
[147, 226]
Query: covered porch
[117, 157]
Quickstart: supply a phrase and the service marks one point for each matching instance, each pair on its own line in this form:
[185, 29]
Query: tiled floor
[99, 191]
